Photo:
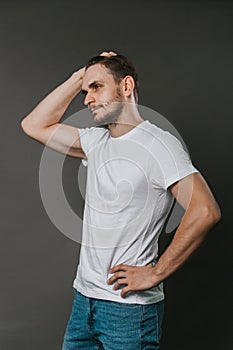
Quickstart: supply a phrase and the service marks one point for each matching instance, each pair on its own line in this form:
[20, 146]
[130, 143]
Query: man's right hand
[108, 54]
[80, 73]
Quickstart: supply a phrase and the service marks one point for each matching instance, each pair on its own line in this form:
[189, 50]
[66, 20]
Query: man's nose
[89, 98]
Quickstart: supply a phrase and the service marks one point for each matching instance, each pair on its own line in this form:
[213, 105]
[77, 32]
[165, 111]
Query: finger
[125, 291]
[119, 283]
[108, 54]
[105, 53]
[121, 267]
[114, 278]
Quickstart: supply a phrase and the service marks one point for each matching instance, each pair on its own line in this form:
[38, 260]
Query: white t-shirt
[127, 202]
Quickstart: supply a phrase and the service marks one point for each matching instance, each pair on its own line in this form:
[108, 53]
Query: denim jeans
[97, 324]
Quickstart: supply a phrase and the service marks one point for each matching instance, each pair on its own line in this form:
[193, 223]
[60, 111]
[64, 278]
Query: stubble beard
[111, 117]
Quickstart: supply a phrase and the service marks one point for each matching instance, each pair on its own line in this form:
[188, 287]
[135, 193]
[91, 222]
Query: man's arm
[202, 213]
[43, 125]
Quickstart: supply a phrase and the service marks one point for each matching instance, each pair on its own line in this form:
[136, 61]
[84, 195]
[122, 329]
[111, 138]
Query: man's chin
[99, 118]
[99, 121]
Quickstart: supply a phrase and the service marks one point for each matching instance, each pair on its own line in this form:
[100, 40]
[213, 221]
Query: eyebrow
[91, 85]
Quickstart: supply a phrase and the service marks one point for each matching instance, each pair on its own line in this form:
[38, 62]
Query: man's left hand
[134, 277]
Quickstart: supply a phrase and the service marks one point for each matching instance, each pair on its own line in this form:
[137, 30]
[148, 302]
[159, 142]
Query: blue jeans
[97, 324]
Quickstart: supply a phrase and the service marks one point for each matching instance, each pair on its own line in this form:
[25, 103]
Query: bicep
[59, 137]
[193, 192]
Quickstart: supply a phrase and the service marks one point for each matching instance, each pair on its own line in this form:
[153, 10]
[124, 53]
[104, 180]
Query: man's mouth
[95, 108]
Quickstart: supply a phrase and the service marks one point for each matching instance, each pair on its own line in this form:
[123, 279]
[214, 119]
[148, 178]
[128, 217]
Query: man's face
[103, 95]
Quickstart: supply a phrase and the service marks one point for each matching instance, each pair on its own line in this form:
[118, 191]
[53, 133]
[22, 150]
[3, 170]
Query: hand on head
[81, 71]
[108, 54]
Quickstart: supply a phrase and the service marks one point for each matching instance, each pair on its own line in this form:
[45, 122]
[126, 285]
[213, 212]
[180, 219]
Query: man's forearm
[50, 110]
[188, 237]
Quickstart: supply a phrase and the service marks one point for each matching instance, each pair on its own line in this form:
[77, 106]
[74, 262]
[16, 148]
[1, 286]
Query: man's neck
[124, 124]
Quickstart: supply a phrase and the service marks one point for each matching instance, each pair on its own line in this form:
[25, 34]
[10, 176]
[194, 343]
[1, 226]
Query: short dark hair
[119, 66]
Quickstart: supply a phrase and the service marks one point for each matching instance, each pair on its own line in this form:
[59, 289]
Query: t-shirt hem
[97, 295]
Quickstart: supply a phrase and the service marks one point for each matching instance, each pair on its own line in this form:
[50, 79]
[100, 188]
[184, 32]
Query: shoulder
[163, 139]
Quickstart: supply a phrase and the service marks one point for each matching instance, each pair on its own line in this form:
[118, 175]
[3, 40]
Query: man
[135, 170]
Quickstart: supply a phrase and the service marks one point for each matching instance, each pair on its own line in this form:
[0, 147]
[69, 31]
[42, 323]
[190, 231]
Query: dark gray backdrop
[183, 53]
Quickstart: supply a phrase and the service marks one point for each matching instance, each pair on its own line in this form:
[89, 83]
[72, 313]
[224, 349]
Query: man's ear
[128, 85]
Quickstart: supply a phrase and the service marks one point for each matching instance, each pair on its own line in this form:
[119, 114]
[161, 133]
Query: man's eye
[96, 86]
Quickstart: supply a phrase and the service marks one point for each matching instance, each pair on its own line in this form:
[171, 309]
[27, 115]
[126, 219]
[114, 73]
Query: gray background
[183, 54]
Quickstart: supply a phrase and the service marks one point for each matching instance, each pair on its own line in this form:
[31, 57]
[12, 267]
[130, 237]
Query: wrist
[76, 77]
[157, 277]
[75, 81]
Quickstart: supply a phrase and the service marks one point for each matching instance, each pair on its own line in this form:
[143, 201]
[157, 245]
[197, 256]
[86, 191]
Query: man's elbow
[211, 215]
[23, 125]
[26, 126]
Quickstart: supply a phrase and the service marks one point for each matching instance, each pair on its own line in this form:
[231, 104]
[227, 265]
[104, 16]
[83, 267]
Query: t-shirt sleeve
[89, 138]
[170, 161]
